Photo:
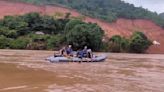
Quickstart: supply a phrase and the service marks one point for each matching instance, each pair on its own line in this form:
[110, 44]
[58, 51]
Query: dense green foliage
[55, 42]
[137, 43]
[19, 43]
[33, 31]
[108, 10]
[161, 15]
[118, 44]
[4, 42]
[85, 34]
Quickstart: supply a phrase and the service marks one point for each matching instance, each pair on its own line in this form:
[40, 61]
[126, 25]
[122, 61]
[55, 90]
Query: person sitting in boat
[80, 53]
[62, 52]
[85, 51]
[69, 50]
[89, 53]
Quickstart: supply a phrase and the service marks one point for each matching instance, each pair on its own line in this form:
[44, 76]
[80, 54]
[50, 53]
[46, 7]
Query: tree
[71, 24]
[85, 34]
[161, 15]
[48, 25]
[33, 20]
[139, 43]
[14, 22]
[19, 43]
[55, 41]
[4, 42]
[118, 44]
[8, 33]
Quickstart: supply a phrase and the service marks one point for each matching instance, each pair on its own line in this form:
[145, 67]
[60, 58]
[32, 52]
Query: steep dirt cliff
[124, 27]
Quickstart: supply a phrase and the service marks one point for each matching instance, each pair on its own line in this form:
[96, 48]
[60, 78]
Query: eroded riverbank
[27, 71]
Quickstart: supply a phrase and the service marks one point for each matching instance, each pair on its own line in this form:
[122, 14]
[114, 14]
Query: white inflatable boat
[98, 58]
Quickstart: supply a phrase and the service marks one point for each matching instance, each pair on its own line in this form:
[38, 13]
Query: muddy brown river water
[27, 71]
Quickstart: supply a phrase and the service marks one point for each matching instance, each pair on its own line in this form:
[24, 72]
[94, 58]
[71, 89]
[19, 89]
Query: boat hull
[99, 58]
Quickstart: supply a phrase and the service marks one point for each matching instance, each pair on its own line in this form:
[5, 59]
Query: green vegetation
[108, 10]
[161, 15]
[4, 42]
[55, 42]
[137, 43]
[19, 43]
[118, 44]
[33, 31]
[85, 34]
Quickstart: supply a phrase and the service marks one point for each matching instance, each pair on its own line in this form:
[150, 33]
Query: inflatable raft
[98, 58]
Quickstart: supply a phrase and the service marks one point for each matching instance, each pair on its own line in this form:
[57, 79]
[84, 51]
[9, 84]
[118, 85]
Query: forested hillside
[161, 15]
[108, 10]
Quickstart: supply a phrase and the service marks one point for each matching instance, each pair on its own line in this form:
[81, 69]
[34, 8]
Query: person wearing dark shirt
[80, 53]
[69, 50]
[85, 51]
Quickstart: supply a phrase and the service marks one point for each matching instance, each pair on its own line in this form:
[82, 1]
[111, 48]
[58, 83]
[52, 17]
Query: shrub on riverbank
[19, 43]
[55, 42]
[137, 43]
[82, 35]
[4, 42]
[118, 44]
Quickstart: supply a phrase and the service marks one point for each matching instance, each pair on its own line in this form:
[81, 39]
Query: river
[28, 71]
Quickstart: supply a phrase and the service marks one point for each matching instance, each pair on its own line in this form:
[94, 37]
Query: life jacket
[69, 50]
[80, 54]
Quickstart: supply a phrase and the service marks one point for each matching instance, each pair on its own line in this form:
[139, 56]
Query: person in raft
[85, 51]
[89, 53]
[69, 50]
[80, 53]
[62, 52]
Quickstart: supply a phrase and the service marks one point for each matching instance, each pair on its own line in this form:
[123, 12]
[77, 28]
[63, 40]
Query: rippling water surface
[27, 71]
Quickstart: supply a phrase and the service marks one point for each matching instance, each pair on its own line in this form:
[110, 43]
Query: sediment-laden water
[28, 71]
